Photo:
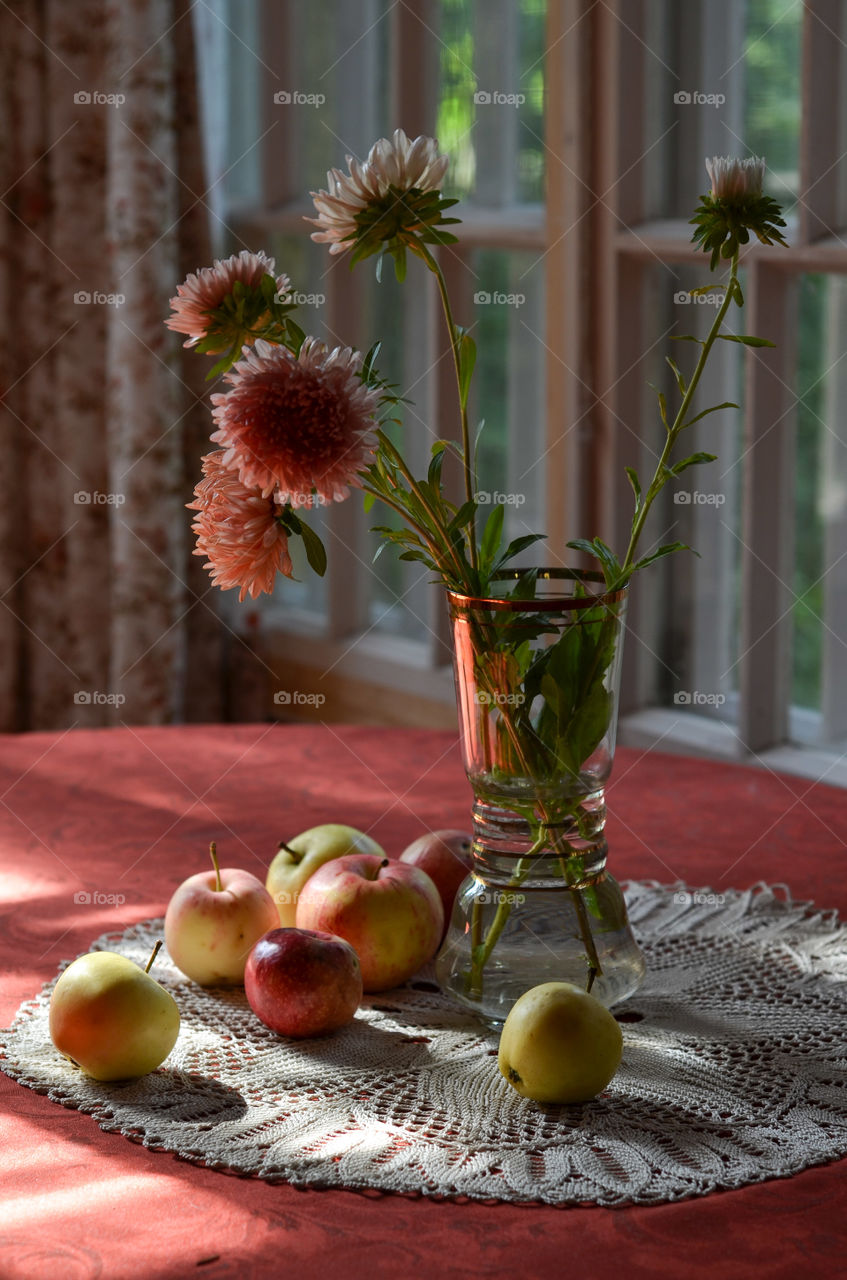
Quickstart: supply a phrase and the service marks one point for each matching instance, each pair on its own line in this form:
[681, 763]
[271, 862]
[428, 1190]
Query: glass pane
[696, 647]
[508, 396]
[491, 99]
[341, 70]
[721, 77]
[772, 48]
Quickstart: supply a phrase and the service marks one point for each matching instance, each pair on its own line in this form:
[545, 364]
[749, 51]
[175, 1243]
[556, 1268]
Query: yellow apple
[299, 858]
[212, 921]
[559, 1044]
[111, 1018]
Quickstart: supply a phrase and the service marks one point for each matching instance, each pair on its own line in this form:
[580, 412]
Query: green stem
[414, 488]
[504, 908]
[470, 486]
[659, 477]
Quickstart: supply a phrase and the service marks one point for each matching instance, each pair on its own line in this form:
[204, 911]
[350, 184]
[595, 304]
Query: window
[578, 131]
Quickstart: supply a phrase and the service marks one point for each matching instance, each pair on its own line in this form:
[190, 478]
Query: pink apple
[389, 912]
[213, 920]
[445, 856]
[300, 982]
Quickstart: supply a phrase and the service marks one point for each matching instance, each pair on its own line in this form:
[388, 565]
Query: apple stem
[293, 852]
[156, 951]
[213, 854]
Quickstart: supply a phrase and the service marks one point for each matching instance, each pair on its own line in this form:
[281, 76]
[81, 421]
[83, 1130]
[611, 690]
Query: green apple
[111, 1018]
[559, 1044]
[299, 858]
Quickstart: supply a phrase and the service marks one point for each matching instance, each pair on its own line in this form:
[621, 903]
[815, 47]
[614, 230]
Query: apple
[389, 912]
[445, 856]
[111, 1018]
[299, 858]
[212, 921]
[559, 1044]
[300, 982]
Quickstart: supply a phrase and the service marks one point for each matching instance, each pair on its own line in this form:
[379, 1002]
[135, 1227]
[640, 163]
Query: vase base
[540, 943]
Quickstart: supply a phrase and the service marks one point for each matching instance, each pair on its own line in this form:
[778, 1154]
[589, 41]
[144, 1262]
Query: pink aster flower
[204, 291]
[398, 163]
[238, 531]
[300, 427]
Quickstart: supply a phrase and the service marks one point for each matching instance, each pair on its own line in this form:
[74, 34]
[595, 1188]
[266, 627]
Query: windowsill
[686, 733]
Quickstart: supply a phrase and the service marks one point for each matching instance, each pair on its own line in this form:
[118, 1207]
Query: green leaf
[727, 404]
[463, 516]
[295, 333]
[516, 547]
[694, 460]
[663, 409]
[680, 381]
[632, 476]
[686, 337]
[315, 550]
[467, 360]
[369, 500]
[433, 475]
[600, 551]
[747, 339]
[492, 534]
[665, 550]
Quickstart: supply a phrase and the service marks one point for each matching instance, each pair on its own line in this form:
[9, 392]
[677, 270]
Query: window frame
[595, 233]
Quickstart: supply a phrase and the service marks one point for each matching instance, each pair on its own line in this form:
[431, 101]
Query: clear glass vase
[537, 678]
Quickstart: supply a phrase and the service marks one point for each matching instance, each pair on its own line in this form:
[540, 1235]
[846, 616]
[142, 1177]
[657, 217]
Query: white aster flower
[736, 180]
[398, 164]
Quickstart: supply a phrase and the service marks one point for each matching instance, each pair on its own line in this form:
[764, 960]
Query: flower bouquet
[537, 651]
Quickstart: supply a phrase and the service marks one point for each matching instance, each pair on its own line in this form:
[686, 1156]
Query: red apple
[445, 856]
[213, 920]
[300, 982]
[388, 911]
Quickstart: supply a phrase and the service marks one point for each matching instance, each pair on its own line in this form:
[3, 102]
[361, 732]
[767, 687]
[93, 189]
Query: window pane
[816, 439]
[717, 78]
[772, 47]
[491, 99]
[694, 651]
[508, 392]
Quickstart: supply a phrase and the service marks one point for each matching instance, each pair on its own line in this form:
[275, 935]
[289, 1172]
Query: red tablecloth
[130, 812]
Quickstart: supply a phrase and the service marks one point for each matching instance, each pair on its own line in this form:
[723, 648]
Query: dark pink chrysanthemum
[204, 291]
[237, 531]
[300, 426]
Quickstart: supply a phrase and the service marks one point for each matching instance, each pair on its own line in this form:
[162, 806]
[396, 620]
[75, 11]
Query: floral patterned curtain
[105, 614]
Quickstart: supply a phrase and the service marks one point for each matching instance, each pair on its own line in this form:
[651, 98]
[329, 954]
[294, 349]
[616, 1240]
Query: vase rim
[544, 602]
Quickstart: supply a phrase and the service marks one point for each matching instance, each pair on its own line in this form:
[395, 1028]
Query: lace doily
[733, 1072]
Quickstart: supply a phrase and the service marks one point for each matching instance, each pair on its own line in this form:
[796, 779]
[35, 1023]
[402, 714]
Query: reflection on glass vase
[537, 677]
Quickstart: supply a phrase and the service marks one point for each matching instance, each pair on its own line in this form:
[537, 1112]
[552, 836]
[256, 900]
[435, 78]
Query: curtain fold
[106, 615]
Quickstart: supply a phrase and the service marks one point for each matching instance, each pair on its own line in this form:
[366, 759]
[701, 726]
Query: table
[97, 827]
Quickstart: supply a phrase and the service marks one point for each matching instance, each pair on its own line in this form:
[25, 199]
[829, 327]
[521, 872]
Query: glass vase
[537, 677]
